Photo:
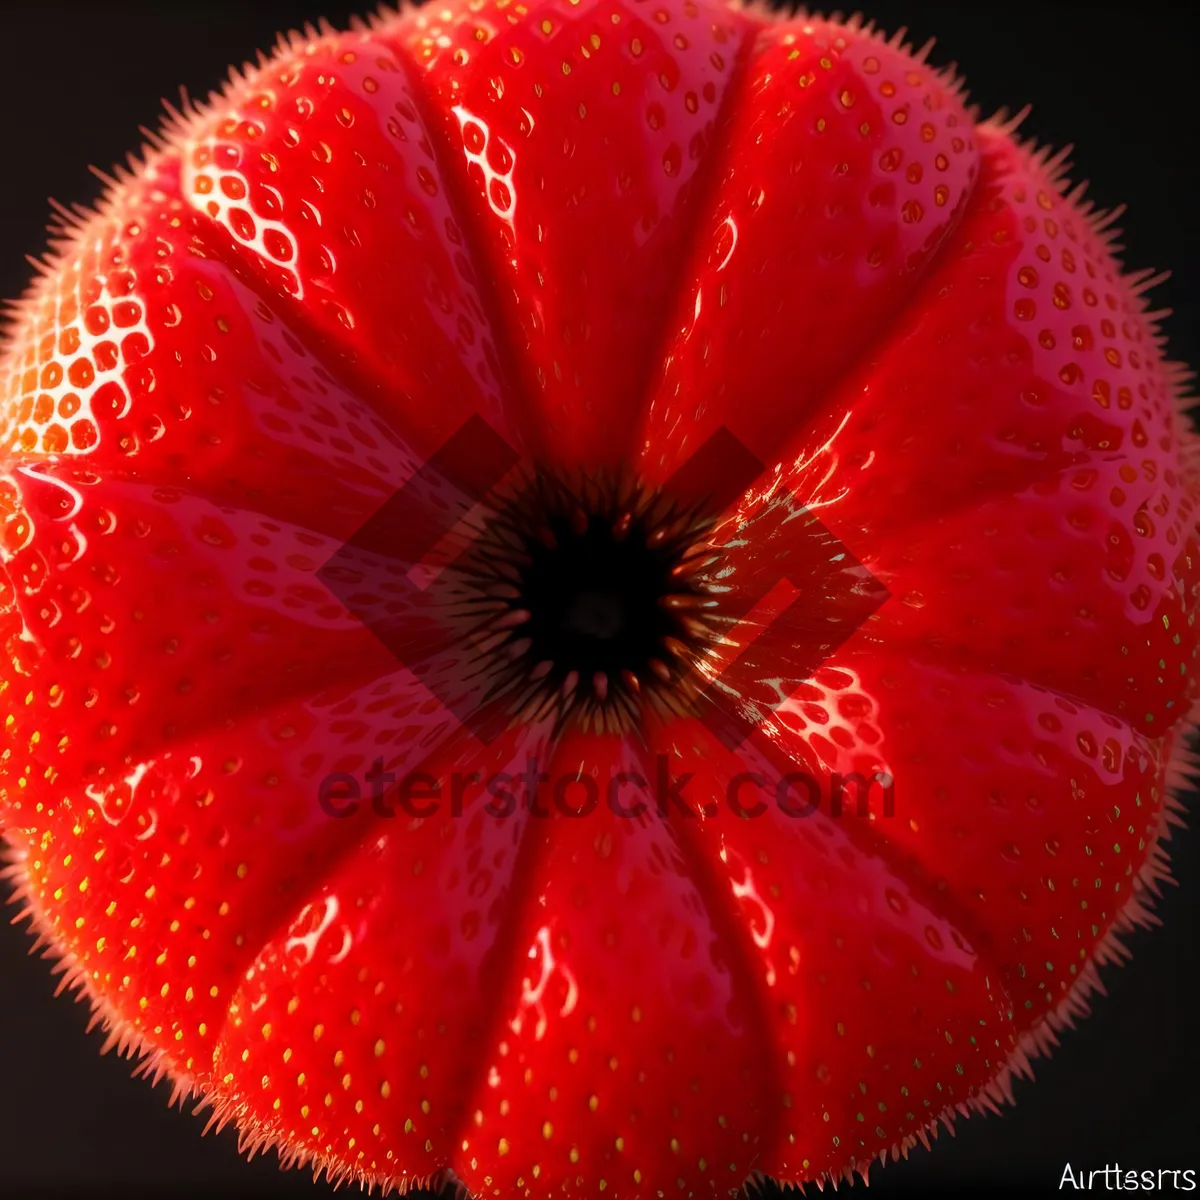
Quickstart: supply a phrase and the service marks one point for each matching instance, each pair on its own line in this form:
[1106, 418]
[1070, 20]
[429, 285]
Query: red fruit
[774, 268]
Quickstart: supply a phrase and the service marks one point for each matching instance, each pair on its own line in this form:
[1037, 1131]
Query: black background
[77, 79]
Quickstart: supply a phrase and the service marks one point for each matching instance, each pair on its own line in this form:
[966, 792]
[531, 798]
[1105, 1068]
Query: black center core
[595, 598]
[589, 600]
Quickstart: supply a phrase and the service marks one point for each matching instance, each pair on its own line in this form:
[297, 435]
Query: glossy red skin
[609, 228]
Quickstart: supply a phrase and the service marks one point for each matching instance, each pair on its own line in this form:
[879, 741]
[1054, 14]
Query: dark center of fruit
[591, 600]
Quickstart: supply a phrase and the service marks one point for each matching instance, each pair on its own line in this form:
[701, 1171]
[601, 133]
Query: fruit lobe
[609, 228]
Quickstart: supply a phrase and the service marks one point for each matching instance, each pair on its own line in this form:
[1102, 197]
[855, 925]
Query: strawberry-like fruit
[621, 238]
